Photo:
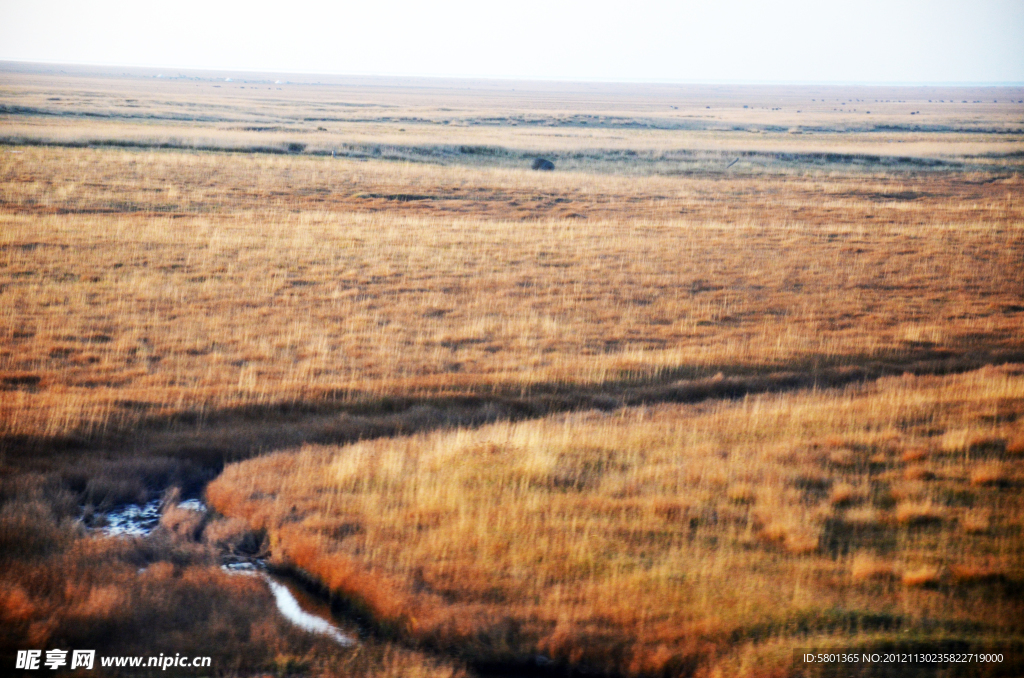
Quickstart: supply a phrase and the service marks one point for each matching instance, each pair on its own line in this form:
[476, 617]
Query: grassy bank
[709, 539]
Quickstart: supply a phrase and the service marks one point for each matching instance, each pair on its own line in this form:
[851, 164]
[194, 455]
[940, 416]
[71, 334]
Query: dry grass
[618, 128]
[187, 277]
[918, 513]
[203, 281]
[867, 567]
[241, 301]
[656, 539]
[60, 588]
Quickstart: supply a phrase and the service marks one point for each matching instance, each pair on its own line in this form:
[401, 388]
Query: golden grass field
[674, 539]
[741, 375]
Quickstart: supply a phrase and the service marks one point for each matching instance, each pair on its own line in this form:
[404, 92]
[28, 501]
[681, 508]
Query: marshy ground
[741, 375]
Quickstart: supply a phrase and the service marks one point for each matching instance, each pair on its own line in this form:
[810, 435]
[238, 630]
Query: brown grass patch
[924, 576]
[968, 575]
[990, 474]
[914, 454]
[976, 522]
[127, 596]
[918, 472]
[404, 301]
[866, 567]
[844, 494]
[919, 513]
[864, 517]
[548, 527]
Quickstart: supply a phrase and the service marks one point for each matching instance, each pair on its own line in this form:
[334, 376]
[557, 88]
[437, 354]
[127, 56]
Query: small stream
[139, 520]
[295, 603]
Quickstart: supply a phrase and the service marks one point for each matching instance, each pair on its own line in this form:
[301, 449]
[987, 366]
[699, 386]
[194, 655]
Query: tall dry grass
[61, 587]
[166, 307]
[141, 285]
[676, 540]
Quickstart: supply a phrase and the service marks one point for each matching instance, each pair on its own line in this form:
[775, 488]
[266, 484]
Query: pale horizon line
[525, 79]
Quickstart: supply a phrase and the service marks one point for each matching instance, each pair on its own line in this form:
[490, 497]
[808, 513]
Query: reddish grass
[651, 539]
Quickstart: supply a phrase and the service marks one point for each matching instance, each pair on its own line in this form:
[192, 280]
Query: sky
[729, 41]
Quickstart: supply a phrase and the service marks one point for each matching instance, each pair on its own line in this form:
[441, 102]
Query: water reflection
[291, 609]
[139, 520]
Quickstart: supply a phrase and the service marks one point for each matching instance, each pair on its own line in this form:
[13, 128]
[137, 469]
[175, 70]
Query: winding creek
[140, 520]
[301, 608]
